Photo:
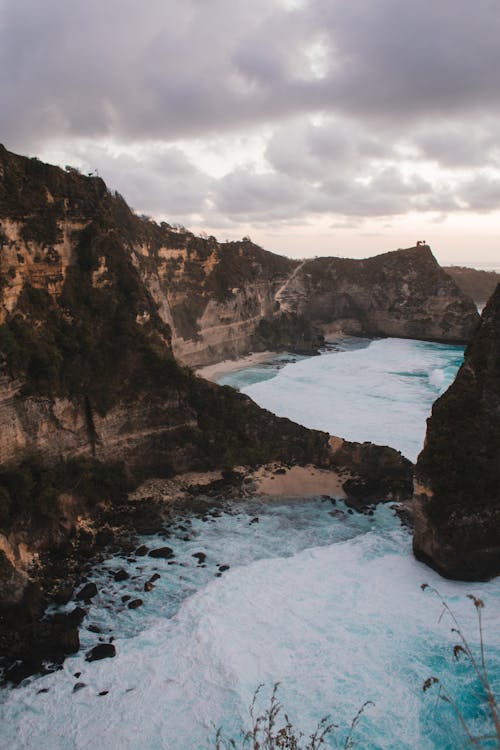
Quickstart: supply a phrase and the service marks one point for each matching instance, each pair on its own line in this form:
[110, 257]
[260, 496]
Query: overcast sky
[342, 127]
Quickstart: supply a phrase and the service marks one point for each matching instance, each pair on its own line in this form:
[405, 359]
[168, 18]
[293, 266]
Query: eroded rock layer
[457, 488]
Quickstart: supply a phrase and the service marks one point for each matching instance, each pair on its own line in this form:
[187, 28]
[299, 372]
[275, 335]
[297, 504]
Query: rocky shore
[457, 477]
[33, 639]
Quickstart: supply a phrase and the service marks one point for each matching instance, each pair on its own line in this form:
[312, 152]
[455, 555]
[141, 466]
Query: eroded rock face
[457, 487]
[404, 293]
[479, 285]
[92, 398]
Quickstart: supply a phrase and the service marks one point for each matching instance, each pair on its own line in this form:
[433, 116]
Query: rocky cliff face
[403, 293]
[226, 300]
[478, 285]
[457, 486]
[217, 300]
[94, 303]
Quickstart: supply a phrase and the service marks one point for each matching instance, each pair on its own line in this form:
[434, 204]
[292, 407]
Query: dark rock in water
[103, 692]
[356, 504]
[254, 520]
[78, 686]
[200, 556]
[42, 690]
[121, 575]
[223, 568]
[162, 552]
[77, 615]
[87, 592]
[457, 478]
[101, 651]
[142, 550]
[154, 577]
[125, 598]
[77, 675]
[63, 594]
[94, 628]
[135, 603]
[148, 586]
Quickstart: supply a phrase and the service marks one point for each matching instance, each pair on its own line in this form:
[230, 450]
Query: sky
[316, 127]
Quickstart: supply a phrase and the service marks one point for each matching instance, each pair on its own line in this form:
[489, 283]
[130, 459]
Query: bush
[273, 730]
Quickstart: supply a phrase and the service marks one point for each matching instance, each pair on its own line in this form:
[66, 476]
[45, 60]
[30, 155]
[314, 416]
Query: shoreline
[225, 366]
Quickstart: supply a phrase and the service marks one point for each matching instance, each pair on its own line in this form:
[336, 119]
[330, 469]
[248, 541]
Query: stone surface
[101, 651]
[457, 480]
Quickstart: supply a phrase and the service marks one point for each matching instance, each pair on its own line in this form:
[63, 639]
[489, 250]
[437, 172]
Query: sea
[302, 592]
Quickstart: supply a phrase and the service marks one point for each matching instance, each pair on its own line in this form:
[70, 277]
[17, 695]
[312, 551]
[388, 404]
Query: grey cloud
[456, 145]
[408, 60]
[244, 195]
[162, 183]
[177, 68]
[481, 193]
[396, 74]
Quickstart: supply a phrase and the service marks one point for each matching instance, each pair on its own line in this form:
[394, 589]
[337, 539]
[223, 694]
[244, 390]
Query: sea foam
[325, 601]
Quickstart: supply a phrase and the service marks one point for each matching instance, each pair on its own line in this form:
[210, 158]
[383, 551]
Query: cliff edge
[457, 477]
[92, 397]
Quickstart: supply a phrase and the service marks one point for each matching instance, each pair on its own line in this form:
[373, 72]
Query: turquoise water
[326, 601]
[380, 390]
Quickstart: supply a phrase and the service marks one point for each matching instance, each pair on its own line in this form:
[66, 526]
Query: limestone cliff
[225, 300]
[403, 293]
[457, 487]
[92, 398]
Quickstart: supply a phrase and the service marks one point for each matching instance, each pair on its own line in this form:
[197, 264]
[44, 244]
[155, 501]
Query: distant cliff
[404, 293]
[457, 485]
[224, 300]
[479, 285]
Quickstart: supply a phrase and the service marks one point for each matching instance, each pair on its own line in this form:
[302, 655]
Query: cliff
[217, 300]
[404, 293]
[479, 285]
[92, 398]
[223, 301]
[457, 478]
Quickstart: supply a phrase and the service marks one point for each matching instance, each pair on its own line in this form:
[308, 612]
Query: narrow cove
[322, 599]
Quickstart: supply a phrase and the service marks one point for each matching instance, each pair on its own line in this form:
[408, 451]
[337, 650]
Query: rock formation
[457, 478]
[92, 398]
[479, 285]
[404, 293]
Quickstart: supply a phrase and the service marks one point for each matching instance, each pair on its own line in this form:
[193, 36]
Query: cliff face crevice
[457, 486]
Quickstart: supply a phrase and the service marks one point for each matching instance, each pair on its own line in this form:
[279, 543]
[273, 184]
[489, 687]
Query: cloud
[365, 109]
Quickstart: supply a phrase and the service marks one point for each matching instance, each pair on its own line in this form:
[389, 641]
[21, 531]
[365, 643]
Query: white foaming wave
[336, 625]
[382, 393]
[437, 378]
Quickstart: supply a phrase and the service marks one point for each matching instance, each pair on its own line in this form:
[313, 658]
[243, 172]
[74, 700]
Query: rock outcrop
[404, 293]
[479, 285]
[457, 485]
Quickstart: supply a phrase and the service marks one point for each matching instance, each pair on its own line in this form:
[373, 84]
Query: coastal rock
[121, 575]
[478, 285]
[87, 592]
[135, 603]
[457, 478]
[101, 651]
[162, 552]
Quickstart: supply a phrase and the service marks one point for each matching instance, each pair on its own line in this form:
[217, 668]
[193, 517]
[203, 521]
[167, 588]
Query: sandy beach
[271, 481]
[297, 481]
[213, 372]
